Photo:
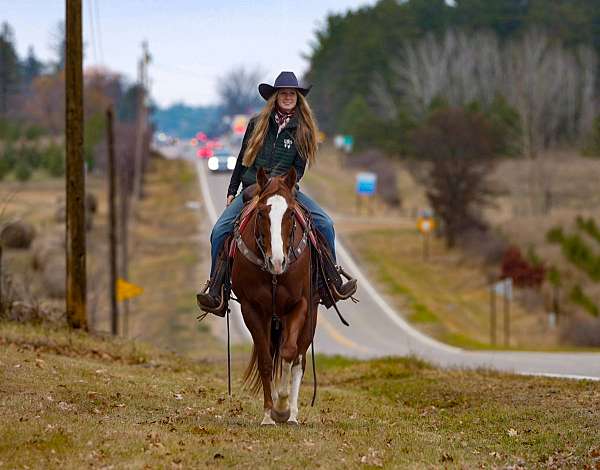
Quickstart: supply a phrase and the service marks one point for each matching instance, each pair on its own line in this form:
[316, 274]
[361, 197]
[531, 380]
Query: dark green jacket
[277, 155]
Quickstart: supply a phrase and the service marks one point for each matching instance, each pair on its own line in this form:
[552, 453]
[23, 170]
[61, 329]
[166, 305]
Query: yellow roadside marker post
[127, 290]
[425, 225]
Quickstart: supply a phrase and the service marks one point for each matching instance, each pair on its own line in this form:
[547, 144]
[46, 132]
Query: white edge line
[210, 206]
[389, 311]
[212, 215]
[560, 376]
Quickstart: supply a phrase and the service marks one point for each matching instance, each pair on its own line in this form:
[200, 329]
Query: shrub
[4, 167]
[34, 132]
[9, 155]
[23, 171]
[579, 297]
[54, 160]
[9, 130]
[577, 251]
[31, 155]
[522, 273]
[588, 226]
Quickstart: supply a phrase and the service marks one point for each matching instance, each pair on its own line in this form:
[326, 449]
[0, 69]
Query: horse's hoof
[280, 416]
[267, 420]
[293, 421]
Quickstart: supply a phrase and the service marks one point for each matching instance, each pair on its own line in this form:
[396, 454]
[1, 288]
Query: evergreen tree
[9, 67]
[31, 67]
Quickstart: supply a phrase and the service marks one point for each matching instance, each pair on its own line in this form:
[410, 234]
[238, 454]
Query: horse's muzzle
[277, 267]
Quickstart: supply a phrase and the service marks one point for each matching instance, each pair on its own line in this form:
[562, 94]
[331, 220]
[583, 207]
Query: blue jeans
[224, 225]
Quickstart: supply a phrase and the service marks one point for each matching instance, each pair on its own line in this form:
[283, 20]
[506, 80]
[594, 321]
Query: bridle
[263, 261]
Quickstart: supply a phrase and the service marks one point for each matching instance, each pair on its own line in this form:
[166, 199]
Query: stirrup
[219, 310]
[339, 296]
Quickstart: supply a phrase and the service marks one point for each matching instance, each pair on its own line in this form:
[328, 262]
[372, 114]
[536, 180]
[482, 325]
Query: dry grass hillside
[448, 296]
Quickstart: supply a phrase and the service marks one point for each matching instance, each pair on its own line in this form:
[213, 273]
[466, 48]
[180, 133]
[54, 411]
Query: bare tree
[552, 88]
[459, 68]
[238, 90]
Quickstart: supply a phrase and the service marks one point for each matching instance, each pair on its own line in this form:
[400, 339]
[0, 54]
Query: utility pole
[112, 223]
[142, 122]
[75, 179]
[493, 314]
[124, 239]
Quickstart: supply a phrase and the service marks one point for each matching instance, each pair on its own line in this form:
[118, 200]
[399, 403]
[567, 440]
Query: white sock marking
[283, 387]
[296, 380]
[278, 207]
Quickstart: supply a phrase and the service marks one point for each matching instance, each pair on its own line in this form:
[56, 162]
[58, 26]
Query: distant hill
[185, 121]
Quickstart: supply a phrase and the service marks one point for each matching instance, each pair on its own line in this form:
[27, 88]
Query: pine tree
[9, 67]
[31, 67]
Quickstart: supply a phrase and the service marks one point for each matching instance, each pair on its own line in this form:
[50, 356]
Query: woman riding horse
[283, 135]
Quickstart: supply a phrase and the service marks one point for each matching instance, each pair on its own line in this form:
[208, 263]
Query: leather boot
[340, 290]
[212, 299]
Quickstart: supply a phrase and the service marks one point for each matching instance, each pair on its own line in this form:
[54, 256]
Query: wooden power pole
[75, 178]
[112, 223]
[142, 123]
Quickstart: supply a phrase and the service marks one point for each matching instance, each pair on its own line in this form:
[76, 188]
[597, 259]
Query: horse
[271, 277]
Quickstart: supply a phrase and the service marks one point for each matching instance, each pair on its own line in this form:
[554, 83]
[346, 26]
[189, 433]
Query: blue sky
[192, 42]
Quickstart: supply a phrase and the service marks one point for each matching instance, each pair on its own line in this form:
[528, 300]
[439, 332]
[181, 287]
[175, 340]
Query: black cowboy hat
[284, 80]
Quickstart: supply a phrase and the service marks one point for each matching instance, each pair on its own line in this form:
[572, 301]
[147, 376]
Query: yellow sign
[425, 224]
[321, 137]
[126, 290]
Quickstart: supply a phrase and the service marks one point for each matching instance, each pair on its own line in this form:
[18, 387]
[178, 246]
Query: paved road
[377, 330]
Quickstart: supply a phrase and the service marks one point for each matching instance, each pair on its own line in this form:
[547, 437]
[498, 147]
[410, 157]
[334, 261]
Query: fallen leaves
[512, 432]
[64, 406]
[372, 457]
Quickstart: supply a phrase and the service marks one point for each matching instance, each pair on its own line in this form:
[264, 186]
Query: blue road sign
[366, 183]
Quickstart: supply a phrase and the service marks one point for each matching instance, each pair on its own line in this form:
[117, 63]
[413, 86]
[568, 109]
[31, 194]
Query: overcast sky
[192, 42]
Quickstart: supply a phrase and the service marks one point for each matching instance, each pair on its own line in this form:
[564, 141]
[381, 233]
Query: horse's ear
[261, 178]
[290, 178]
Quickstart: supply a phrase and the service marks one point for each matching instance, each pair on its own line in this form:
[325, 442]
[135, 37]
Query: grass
[447, 297]
[69, 400]
[443, 297]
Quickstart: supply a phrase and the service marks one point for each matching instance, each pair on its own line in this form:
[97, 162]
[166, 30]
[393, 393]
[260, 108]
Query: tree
[9, 67]
[58, 43]
[238, 90]
[31, 67]
[459, 145]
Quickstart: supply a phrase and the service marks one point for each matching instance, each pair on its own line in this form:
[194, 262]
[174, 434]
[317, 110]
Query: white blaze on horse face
[278, 207]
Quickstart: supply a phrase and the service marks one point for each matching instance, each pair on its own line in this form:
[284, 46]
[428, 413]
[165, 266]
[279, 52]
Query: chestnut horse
[271, 278]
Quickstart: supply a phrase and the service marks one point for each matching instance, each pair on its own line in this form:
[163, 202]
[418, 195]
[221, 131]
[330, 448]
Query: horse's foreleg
[297, 373]
[281, 408]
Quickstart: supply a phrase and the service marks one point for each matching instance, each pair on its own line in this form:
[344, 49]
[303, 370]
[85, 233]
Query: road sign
[504, 288]
[343, 142]
[127, 290]
[425, 224]
[366, 183]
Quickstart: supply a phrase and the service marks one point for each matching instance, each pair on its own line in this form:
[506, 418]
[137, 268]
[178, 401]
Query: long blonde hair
[306, 133]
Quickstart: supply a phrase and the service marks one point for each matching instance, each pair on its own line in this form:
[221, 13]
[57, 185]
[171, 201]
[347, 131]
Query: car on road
[221, 160]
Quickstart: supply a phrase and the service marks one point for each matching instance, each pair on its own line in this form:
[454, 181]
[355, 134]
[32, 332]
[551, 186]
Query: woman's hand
[229, 199]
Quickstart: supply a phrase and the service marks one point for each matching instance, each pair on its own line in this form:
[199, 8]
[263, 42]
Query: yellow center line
[338, 337]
